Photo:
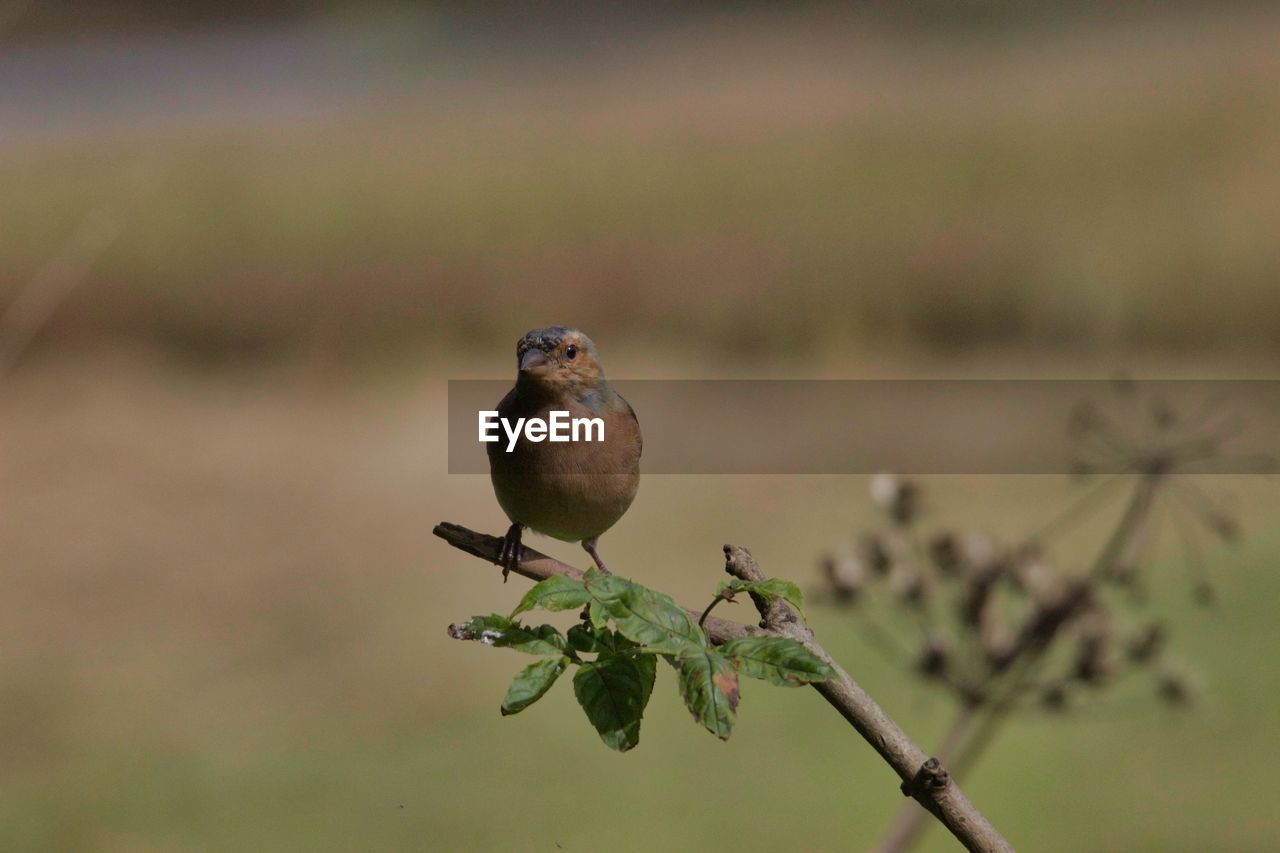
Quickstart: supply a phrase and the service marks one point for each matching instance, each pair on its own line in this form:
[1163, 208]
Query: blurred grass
[795, 184]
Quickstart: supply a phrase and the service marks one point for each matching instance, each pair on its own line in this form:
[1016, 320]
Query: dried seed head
[1146, 646]
[884, 489]
[1054, 697]
[1093, 667]
[978, 552]
[911, 586]
[975, 596]
[875, 550]
[1174, 689]
[897, 496]
[1093, 664]
[934, 659]
[1033, 576]
[945, 550]
[1095, 621]
[1049, 616]
[996, 640]
[907, 506]
[846, 576]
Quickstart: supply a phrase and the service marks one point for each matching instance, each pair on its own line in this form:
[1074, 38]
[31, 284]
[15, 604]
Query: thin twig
[703, 618]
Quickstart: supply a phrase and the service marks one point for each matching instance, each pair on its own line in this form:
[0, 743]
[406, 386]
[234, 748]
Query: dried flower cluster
[981, 611]
[1000, 625]
[1004, 627]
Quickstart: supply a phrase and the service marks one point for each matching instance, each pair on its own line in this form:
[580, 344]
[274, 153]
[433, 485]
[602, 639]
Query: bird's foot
[589, 545]
[512, 551]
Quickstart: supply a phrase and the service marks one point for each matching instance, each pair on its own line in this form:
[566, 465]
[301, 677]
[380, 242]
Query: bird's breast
[571, 490]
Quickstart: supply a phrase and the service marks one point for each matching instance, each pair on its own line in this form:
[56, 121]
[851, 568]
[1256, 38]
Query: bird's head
[559, 361]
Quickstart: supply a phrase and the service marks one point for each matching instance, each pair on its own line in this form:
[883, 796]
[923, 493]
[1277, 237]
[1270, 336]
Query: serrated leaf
[612, 690]
[555, 593]
[778, 660]
[501, 632]
[709, 687]
[531, 683]
[770, 588]
[649, 618]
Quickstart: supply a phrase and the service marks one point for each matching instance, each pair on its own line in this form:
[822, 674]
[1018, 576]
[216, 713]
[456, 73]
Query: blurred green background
[243, 247]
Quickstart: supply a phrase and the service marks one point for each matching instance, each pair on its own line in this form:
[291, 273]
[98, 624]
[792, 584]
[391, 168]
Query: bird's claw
[512, 551]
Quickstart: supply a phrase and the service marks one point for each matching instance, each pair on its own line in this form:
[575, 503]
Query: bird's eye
[571, 351]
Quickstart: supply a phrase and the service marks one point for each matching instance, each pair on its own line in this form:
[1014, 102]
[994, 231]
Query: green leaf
[555, 593]
[649, 618]
[531, 683]
[502, 632]
[648, 667]
[786, 590]
[598, 615]
[483, 629]
[769, 589]
[778, 660]
[709, 687]
[613, 641]
[612, 691]
[542, 640]
[582, 638]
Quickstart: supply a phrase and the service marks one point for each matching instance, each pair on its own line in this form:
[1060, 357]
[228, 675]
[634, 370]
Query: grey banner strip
[926, 426]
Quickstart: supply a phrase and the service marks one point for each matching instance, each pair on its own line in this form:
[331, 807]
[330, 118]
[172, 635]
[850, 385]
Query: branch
[909, 822]
[924, 779]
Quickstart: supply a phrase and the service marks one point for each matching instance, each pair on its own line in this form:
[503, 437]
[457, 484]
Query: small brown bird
[575, 490]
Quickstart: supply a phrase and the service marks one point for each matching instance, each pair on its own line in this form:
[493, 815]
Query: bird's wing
[636, 420]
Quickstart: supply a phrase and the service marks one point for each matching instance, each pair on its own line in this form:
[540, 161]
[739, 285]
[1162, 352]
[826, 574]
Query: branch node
[929, 780]
[739, 563]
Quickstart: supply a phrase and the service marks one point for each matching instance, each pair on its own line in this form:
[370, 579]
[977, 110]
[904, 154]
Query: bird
[572, 491]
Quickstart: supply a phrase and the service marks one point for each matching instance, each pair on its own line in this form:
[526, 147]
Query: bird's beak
[534, 362]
